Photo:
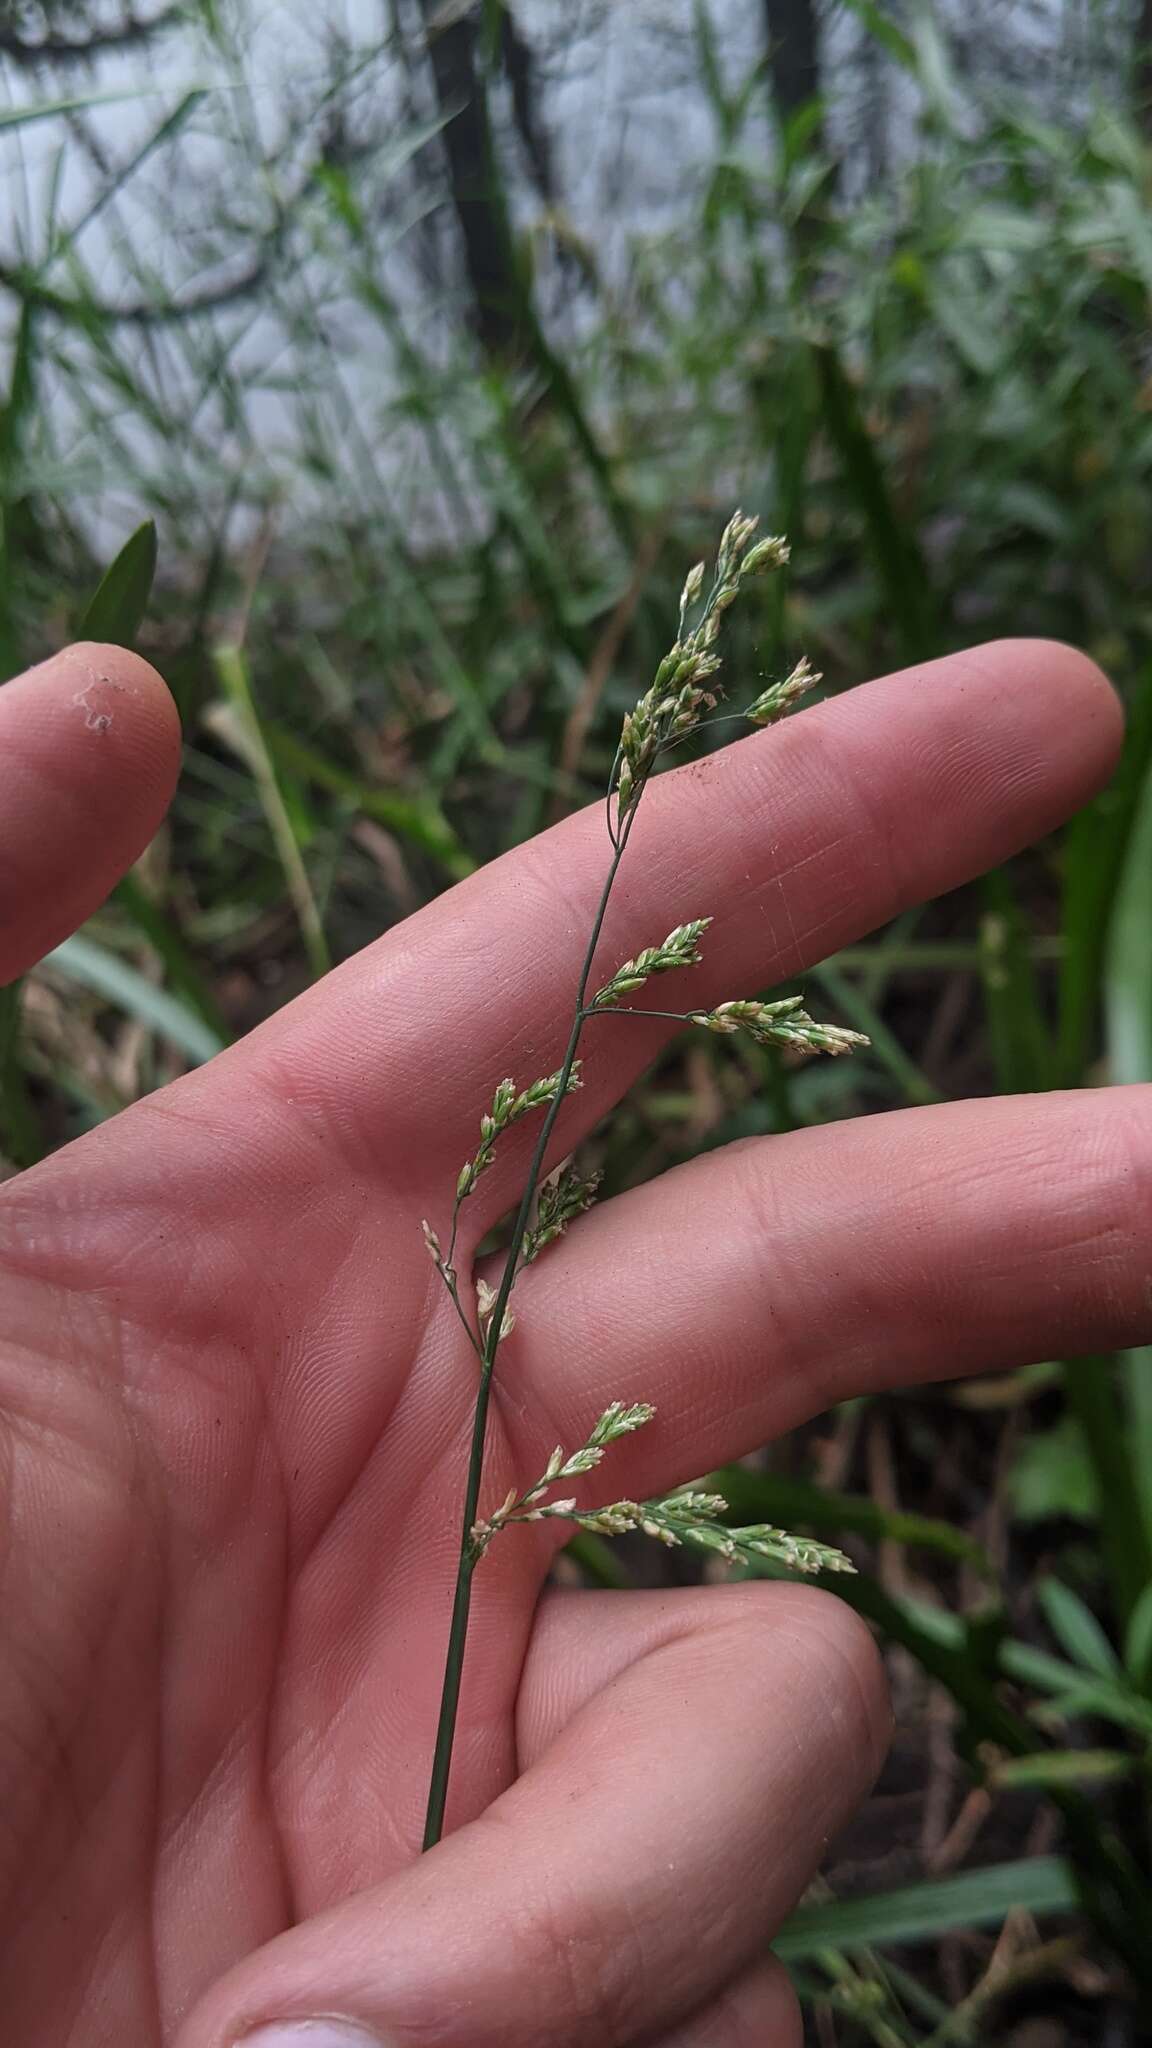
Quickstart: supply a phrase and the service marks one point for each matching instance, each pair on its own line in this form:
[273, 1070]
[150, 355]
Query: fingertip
[1074, 688]
[758, 2009]
[89, 754]
[997, 745]
[845, 1665]
[106, 681]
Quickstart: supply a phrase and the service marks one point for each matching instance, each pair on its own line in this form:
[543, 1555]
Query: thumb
[625, 1882]
[89, 753]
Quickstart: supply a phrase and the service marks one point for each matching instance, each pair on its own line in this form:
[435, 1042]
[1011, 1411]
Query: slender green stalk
[232, 669]
[1090, 1391]
[668, 710]
[462, 1600]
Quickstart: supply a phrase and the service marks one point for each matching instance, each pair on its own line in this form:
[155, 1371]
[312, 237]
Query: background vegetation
[435, 362]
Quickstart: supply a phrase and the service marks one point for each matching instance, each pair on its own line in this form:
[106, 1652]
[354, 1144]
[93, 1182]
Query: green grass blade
[1110, 1888]
[598, 1560]
[1136, 1369]
[1096, 865]
[118, 605]
[167, 130]
[922, 1912]
[885, 31]
[91, 966]
[1016, 1029]
[887, 1050]
[1064, 1767]
[19, 1128]
[244, 732]
[1093, 1698]
[1138, 1641]
[418, 819]
[1077, 1630]
[18, 519]
[157, 927]
[784, 1501]
[76, 103]
[1128, 1022]
[937, 1638]
[900, 566]
[1128, 967]
[1122, 1490]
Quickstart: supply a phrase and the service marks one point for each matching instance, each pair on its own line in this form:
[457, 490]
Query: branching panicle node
[560, 1201]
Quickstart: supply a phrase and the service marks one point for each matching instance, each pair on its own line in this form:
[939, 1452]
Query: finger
[581, 1642]
[759, 2010]
[89, 753]
[699, 1789]
[761, 1284]
[796, 841]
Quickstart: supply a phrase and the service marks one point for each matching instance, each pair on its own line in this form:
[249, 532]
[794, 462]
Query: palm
[250, 1548]
[236, 1401]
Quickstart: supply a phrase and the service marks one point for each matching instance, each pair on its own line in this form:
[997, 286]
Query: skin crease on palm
[234, 1409]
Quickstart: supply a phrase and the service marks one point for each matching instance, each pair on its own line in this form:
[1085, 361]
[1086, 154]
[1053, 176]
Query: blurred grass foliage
[426, 477]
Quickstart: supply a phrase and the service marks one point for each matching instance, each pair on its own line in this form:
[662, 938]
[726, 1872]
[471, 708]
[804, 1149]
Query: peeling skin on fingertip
[98, 715]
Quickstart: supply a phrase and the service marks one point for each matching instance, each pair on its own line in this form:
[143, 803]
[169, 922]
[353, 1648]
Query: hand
[234, 1405]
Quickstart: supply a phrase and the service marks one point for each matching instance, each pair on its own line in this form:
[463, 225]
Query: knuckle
[584, 1965]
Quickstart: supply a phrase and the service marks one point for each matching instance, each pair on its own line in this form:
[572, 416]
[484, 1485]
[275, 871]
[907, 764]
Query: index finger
[89, 750]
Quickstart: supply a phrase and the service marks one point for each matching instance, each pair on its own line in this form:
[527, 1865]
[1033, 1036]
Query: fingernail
[322, 2033]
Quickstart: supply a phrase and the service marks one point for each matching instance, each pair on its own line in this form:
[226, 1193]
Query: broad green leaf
[922, 1912]
[119, 603]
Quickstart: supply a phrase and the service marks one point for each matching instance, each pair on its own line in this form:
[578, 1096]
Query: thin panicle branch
[561, 1200]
